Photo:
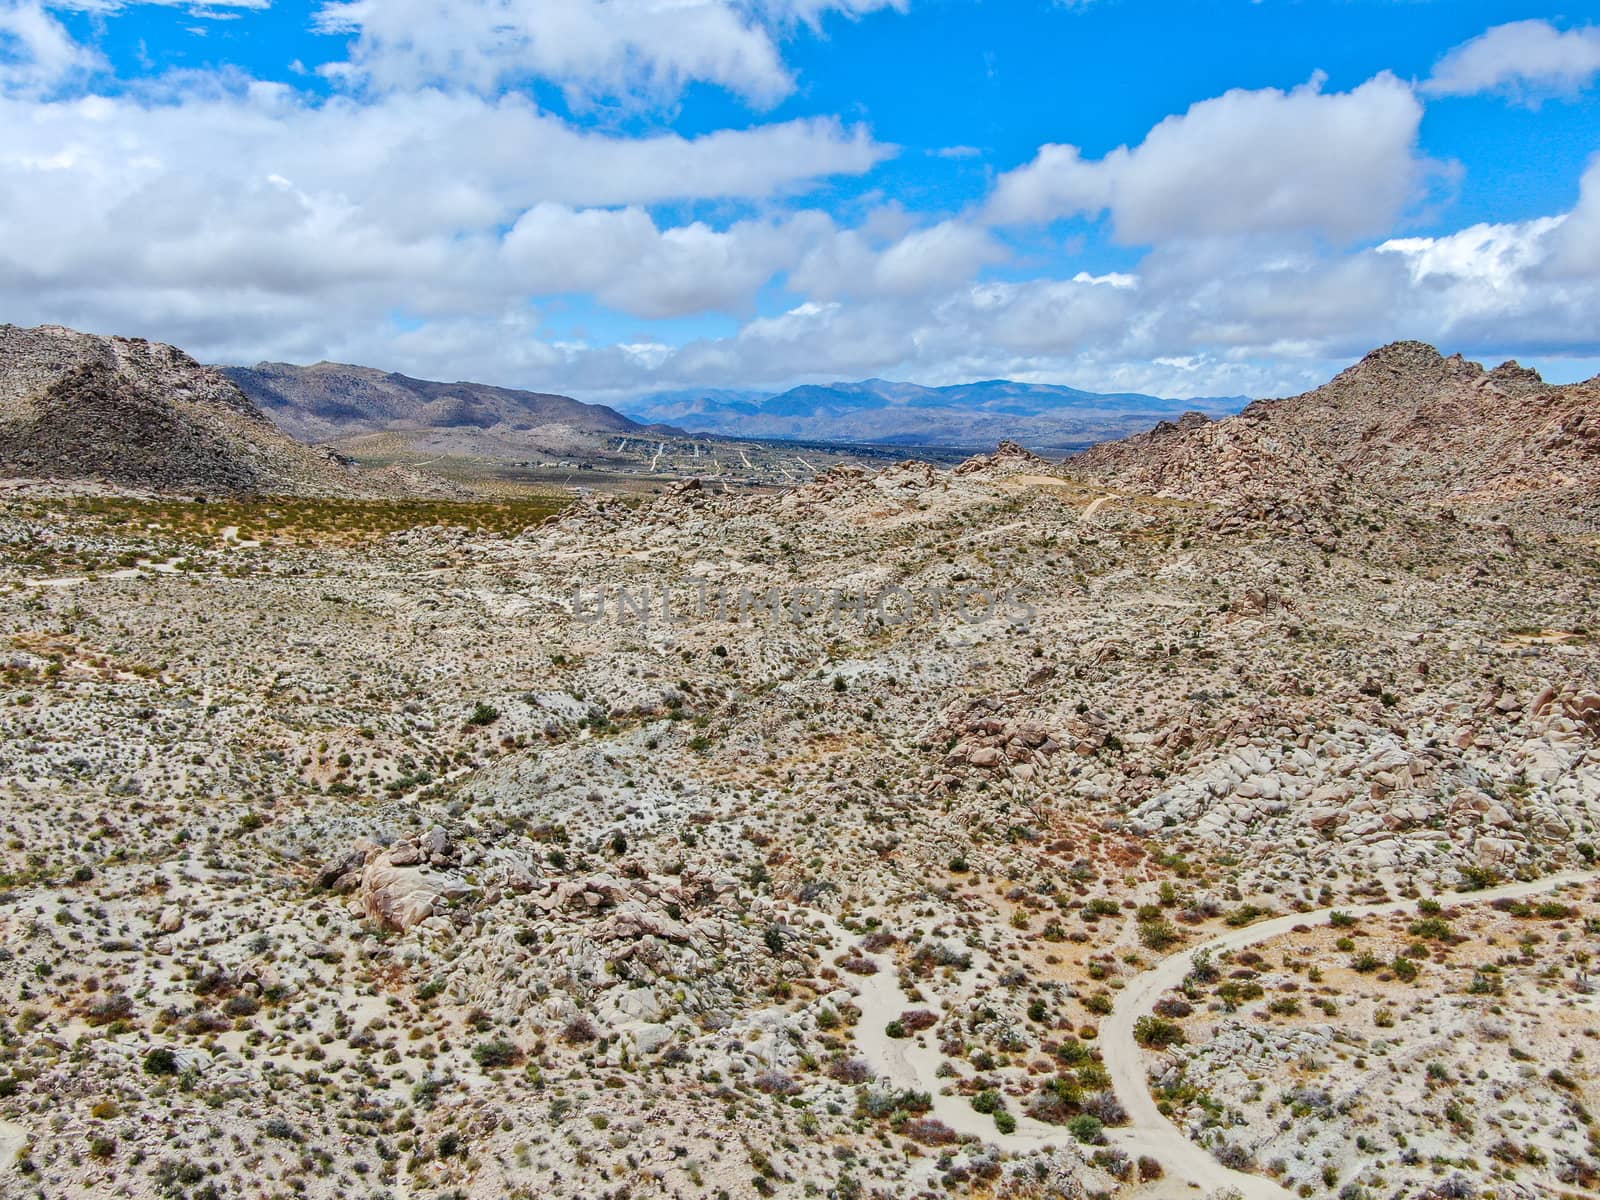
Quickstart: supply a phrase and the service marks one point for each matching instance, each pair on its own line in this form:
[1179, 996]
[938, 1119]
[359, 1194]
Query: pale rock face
[399, 897]
[400, 891]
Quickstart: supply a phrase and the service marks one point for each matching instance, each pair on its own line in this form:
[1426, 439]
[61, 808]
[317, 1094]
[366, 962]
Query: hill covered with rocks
[1405, 424]
[128, 412]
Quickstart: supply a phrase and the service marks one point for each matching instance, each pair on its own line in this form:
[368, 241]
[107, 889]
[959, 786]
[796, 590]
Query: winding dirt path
[1148, 1132]
[914, 1062]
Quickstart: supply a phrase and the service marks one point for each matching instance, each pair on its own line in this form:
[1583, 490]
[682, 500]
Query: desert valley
[350, 850]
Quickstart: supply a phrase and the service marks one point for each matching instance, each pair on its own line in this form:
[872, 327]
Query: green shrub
[987, 1101]
[497, 1053]
[1087, 1129]
[1159, 934]
[1157, 1033]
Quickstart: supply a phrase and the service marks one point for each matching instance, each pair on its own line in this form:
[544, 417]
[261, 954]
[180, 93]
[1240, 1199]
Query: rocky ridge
[1403, 424]
[139, 414]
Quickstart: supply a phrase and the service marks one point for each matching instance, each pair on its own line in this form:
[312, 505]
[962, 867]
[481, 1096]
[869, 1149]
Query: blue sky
[605, 197]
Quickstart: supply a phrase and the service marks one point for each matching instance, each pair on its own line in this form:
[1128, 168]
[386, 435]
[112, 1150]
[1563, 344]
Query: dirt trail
[1148, 1132]
[12, 1140]
[170, 567]
[914, 1062]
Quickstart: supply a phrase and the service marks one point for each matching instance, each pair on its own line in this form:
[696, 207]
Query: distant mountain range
[882, 412]
[335, 403]
[346, 406]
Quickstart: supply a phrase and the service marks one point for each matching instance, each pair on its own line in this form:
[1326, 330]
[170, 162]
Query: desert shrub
[988, 1101]
[1157, 1033]
[1233, 1156]
[1433, 928]
[1105, 1106]
[930, 1131]
[497, 1053]
[850, 1070]
[1087, 1129]
[1245, 914]
[1159, 934]
[775, 1083]
[579, 1029]
[115, 1006]
[1114, 1163]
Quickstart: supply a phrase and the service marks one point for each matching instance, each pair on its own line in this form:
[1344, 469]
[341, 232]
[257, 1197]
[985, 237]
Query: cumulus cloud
[1227, 315]
[623, 259]
[1528, 58]
[258, 218]
[412, 165]
[915, 262]
[1339, 164]
[418, 201]
[1575, 245]
[36, 53]
[607, 48]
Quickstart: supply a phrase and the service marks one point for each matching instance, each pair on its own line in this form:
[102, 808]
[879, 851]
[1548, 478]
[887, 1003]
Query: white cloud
[1575, 246]
[412, 165]
[913, 262]
[1523, 57]
[36, 53]
[1494, 256]
[593, 48]
[246, 220]
[1339, 164]
[625, 261]
[284, 213]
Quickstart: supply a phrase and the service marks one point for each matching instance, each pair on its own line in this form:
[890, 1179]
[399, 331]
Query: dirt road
[1148, 1132]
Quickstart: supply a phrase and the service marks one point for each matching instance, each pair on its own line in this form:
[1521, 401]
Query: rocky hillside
[1405, 423]
[125, 411]
[327, 402]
